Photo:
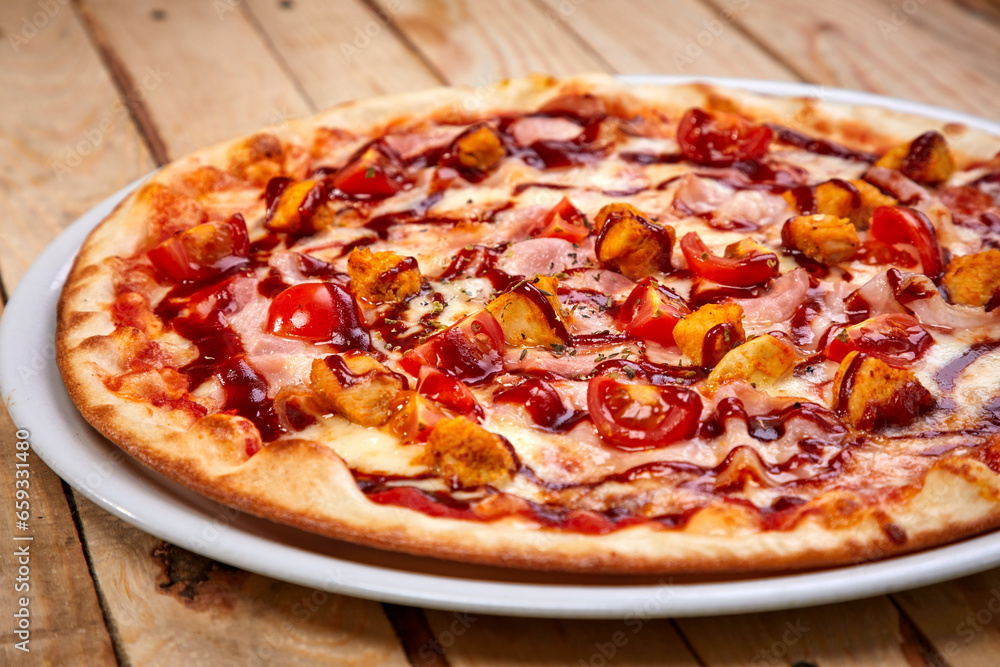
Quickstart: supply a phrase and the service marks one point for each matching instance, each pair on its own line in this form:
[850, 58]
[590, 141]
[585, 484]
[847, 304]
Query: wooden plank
[960, 618]
[865, 632]
[64, 620]
[195, 96]
[884, 48]
[653, 37]
[258, 613]
[478, 43]
[66, 140]
[169, 606]
[339, 51]
[475, 640]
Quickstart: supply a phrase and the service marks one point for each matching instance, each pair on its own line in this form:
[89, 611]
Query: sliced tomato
[746, 271]
[651, 312]
[542, 402]
[374, 172]
[642, 416]
[901, 224]
[471, 350]
[318, 312]
[449, 391]
[415, 416]
[719, 139]
[564, 221]
[895, 338]
[204, 251]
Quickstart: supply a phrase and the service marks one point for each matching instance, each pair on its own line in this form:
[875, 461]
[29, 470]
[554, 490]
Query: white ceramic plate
[36, 398]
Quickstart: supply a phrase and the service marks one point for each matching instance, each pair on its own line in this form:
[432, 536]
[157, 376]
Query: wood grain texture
[340, 630]
[66, 139]
[227, 68]
[478, 43]
[171, 607]
[66, 623]
[203, 72]
[338, 51]
[933, 52]
[475, 640]
[961, 618]
[653, 37]
[865, 632]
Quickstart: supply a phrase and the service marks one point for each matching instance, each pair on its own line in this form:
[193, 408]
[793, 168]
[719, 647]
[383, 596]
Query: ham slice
[527, 131]
[700, 195]
[604, 281]
[780, 302]
[932, 310]
[543, 256]
[409, 145]
[754, 206]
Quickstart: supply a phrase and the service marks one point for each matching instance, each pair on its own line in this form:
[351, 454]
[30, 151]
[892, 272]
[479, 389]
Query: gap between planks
[125, 85]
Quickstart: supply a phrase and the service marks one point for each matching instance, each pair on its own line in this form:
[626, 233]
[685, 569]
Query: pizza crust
[305, 484]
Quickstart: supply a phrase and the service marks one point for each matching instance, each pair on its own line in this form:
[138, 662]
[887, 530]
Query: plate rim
[374, 582]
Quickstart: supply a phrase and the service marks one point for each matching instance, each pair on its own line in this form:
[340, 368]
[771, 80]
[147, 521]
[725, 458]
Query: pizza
[569, 325]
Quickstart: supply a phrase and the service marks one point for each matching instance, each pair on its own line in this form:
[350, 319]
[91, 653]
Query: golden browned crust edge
[715, 541]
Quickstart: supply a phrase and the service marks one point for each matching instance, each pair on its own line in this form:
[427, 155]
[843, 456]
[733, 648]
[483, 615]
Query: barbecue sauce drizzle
[221, 353]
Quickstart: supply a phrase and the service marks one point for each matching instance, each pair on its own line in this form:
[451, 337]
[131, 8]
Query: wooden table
[96, 93]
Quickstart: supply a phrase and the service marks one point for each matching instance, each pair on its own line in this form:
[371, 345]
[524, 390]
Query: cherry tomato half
[895, 338]
[415, 417]
[449, 391]
[641, 416]
[318, 312]
[542, 402]
[564, 221]
[651, 312]
[471, 350]
[204, 251]
[374, 172]
[901, 224]
[720, 139]
[753, 269]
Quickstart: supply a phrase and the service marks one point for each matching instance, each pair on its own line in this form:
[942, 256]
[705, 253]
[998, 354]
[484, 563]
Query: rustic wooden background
[95, 93]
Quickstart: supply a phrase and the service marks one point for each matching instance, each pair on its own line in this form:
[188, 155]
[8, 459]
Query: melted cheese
[494, 214]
